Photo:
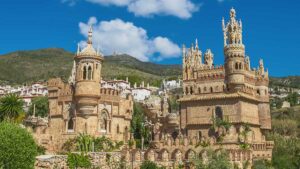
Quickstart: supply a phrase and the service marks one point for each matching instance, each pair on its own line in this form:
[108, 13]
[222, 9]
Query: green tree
[293, 98]
[11, 106]
[17, 147]
[285, 152]
[41, 106]
[137, 126]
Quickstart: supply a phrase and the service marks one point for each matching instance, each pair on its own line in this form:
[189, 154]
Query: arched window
[199, 90]
[211, 89]
[240, 66]
[191, 90]
[258, 91]
[70, 123]
[219, 113]
[236, 66]
[186, 90]
[90, 73]
[84, 72]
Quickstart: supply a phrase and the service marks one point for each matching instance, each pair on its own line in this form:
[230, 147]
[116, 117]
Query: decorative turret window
[84, 72]
[89, 73]
[191, 90]
[236, 66]
[70, 122]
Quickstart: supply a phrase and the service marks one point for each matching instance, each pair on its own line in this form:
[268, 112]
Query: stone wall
[104, 160]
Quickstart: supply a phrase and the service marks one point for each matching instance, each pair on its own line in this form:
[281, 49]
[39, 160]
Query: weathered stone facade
[232, 93]
[81, 106]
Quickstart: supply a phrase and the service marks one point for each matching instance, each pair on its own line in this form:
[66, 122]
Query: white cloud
[69, 2]
[124, 37]
[179, 8]
[111, 2]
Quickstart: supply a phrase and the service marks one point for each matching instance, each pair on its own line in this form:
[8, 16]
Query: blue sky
[270, 28]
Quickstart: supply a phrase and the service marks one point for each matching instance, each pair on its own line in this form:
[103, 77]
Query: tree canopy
[17, 147]
[11, 106]
[40, 105]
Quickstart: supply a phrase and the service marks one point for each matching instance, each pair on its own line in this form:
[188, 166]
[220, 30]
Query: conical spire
[78, 48]
[90, 36]
[196, 44]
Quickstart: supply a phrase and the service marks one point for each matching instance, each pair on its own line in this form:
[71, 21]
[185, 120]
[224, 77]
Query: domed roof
[89, 50]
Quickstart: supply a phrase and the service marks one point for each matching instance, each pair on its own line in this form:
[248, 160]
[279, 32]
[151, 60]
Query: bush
[262, 164]
[78, 160]
[17, 147]
[149, 165]
[285, 127]
[286, 152]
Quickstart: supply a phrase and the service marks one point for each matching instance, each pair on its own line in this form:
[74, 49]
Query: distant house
[286, 104]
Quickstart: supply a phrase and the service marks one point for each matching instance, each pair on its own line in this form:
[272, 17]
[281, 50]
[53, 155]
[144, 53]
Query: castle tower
[88, 64]
[234, 52]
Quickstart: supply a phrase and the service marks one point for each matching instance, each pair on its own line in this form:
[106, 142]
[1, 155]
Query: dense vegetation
[39, 106]
[17, 147]
[40, 65]
[138, 127]
[11, 107]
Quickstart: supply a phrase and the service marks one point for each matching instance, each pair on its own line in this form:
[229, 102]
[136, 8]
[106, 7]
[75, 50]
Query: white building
[27, 93]
[171, 84]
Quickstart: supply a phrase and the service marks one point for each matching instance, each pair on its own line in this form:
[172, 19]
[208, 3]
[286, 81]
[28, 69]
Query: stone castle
[81, 106]
[221, 107]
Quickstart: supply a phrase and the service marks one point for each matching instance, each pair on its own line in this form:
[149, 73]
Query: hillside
[39, 65]
[289, 81]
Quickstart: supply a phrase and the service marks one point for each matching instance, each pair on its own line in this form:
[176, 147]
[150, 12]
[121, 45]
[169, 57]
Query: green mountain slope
[39, 65]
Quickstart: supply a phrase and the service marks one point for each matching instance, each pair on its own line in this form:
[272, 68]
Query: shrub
[17, 147]
[149, 165]
[78, 160]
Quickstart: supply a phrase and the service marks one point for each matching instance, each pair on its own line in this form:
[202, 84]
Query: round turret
[234, 52]
[88, 64]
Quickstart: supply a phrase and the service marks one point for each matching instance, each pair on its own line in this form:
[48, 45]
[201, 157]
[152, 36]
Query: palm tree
[11, 106]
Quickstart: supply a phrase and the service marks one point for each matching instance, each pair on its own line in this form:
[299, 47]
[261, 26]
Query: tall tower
[234, 52]
[87, 79]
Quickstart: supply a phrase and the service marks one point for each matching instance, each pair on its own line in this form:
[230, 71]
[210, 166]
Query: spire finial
[90, 35]
[196, 44]
[78, 48]
[232, 13]
[98, 49]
